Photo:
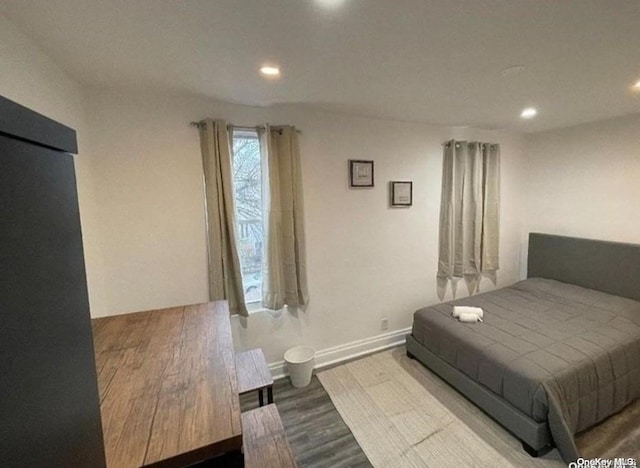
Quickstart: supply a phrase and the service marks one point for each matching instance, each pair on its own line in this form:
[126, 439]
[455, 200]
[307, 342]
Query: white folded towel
[457, 310]
[470, 318]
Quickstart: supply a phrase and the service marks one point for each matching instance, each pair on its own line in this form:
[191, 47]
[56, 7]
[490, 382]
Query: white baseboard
[348, 351]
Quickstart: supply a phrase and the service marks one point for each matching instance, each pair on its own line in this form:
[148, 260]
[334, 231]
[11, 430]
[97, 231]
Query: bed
[556, 353]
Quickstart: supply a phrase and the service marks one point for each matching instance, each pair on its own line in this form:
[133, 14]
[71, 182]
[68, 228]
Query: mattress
[545, 347]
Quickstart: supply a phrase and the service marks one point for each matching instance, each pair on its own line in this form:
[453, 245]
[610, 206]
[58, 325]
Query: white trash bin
[300, 361]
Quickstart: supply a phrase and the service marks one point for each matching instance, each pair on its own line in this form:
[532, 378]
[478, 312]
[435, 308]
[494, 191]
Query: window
[247, 183]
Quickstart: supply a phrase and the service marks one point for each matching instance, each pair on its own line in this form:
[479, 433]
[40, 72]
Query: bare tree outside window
[247, 180]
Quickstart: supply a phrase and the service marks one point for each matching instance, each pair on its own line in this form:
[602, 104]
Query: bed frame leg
[535, 453]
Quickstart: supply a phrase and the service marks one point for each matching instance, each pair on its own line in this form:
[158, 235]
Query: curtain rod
[240, 127]
[448, 142]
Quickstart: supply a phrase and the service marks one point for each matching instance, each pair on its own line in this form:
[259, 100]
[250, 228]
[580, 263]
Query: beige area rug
[402, 415]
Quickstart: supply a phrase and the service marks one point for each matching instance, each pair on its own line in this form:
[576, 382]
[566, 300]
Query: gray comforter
[555, 351]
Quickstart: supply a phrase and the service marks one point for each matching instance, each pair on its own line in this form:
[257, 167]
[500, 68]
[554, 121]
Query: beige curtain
[225, 279]
[284, 280]
[491, 208]
[470, 210]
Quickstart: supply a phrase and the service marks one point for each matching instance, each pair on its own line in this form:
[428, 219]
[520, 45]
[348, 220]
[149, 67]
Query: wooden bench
[253, 374]
[264, 441]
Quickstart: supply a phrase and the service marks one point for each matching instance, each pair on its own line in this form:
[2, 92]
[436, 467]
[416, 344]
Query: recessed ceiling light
[528, 113]
[270, 71]
[511, 71]
[330, 3]
[636, 86]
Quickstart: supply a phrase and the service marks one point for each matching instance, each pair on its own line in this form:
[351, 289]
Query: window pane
[247, 179]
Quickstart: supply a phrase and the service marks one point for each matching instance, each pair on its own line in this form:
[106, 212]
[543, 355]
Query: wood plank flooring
[315, 431]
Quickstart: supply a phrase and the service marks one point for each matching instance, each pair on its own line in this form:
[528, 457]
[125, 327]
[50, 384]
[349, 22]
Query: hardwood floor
[316, 433]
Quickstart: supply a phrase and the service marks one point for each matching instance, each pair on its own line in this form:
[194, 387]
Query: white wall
[584, 181]
[140, 188]
[365, 260]
[29, 77]
[32, 79]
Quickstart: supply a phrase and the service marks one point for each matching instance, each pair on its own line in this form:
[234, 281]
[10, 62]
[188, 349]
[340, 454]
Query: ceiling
[436, 61]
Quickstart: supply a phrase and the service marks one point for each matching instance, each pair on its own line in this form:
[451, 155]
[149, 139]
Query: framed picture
[401, 193]
[360, 173]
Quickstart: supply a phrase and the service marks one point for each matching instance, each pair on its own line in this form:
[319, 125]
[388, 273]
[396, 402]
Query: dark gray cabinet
[49, 406]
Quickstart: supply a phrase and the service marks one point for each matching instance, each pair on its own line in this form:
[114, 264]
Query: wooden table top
[168, 388]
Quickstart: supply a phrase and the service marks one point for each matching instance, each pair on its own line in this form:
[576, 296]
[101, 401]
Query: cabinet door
[49, 408]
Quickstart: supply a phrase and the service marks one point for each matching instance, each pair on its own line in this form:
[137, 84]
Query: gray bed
[557, 352]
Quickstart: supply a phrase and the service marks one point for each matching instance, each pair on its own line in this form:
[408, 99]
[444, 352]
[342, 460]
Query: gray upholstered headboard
[610, 267]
